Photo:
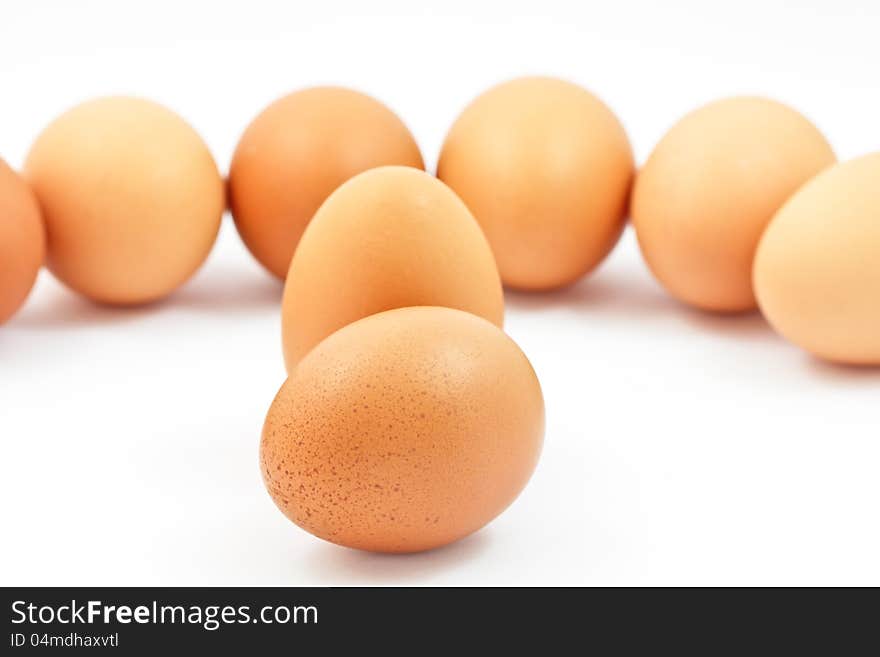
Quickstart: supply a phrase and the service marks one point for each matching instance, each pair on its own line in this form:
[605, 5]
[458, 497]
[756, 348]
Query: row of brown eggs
[132, 200]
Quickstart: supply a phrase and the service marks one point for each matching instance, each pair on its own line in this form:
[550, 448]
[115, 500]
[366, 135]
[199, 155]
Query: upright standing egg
[404, 431]
[709, 189]
[388, 238]
[546, 169]
[22, 241]
[131, 197]
[296, 152]
[817, 270]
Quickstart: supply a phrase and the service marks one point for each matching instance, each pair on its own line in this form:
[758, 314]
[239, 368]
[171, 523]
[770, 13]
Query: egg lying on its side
[388, 238]
[131, 197]
[296, 152]
[22, 241]
[404, 431]
[817, 270]
[711, 186]
[546, 168]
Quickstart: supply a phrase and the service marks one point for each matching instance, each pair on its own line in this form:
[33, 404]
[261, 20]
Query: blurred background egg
[817, 270]
[388, 238]
[404, 431]
[711, 186]
[131, 197]
[22, 241]
[296, 152]
[546, 169]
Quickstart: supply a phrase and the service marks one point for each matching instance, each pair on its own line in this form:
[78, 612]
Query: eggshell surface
[388, 238]
[131, 197]
[709, 189]
[404, 431]
[22, 241]
[296, 152]
[546, 169]
[817, 270]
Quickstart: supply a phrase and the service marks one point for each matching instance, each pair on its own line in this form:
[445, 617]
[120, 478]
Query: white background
[681, 448]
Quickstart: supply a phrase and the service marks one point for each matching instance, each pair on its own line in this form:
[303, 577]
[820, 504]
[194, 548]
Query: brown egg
[404, 431]
[546, 169]
[22, 241]
[296, 152]
[131, 197]
[388, 238]
[817, 270]
[711, 186]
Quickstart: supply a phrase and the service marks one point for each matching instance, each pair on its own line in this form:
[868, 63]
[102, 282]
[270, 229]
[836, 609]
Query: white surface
[681, 448]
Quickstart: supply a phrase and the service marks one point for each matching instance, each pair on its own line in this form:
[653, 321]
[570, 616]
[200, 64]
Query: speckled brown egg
[546, 168]
[22, 241]
[296, 152]
[817, 270]
[404, 431]
[388, 238]
[709, 189]
[131, 198]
